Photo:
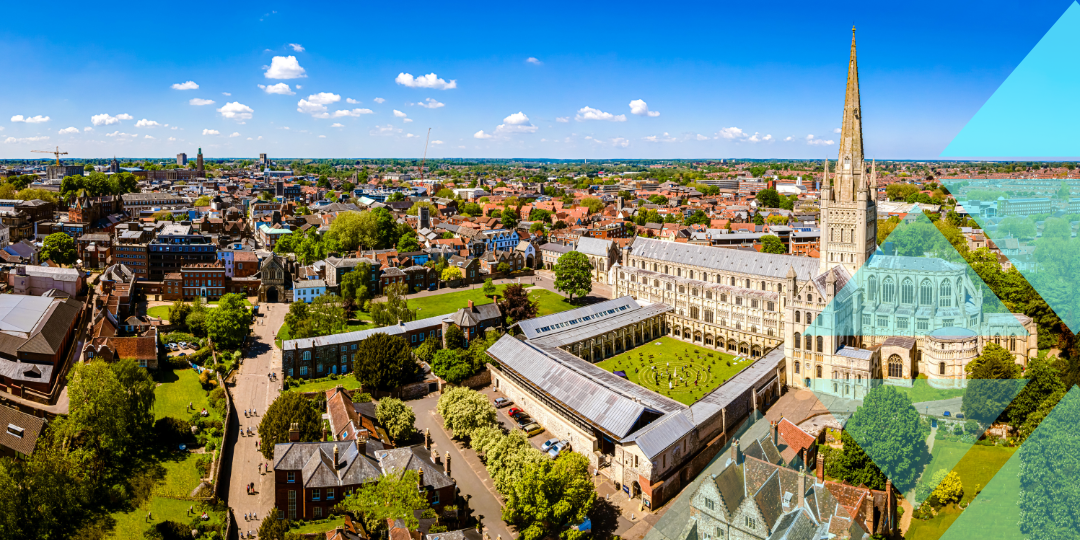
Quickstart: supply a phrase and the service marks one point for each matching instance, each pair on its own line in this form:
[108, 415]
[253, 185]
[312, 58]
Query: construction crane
[425, 153]
[57, 152]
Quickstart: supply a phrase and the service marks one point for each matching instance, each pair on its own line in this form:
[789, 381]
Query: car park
[558, 448]
[947, 414]
[523, 419]
[502, 402]
[960, 416]
[513, 411]
[548, 444]
[532, 429]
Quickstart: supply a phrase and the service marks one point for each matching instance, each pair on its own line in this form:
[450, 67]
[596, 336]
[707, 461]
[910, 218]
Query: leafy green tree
[505, 456]
[658, 200]
[227, 325]
[287, 409]
[58, 248]
[573, 274]
[202, 201]
[949, 488]
[1043, 381]
[758, 220]
[455, 338]
[398, 419]
[697, 218]
[426, 351]
[323, 317]
[1048, 488]
[273, 529]
[452, 366]
[987, 393]
[407, 244]
[539, 214]
[776, 219]
[768, 198]
[892, 433]
[464, 410]
[393, 497]
[503, 268]
[509, 218]
[771, 244]
[196, 323]
[489, 287]
[178, 313]
[593, 204]
[395, 308]
[385, 362]
[551, 496]
[451, 273]
[516, 303]
[353, 286]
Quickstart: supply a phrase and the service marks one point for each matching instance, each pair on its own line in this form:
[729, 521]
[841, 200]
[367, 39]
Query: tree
[890, 431]
[385, 362]
[455, 338]
[768, 198]
[273, 529]
[102, 419]
[324, 316]
[489, 287]
[395, 308]
[451, 273]
[1048, 486]
[354, 287]
[202, 201]
[990, 389]
[658, 200]
[178, 312]
[227, 325]
[516, 303]
[398, 419]
[551, 496]
[509, 218]
[58, 248]
[593, 204]
[949, 489]
[1043, 381]
[452, 366]
[391, 498]
[560, 224]
[771, 243]
[407, 244]
[758, 220]
[196, 322]
[503, 268]
[464, 410]
[697, 218]
[426, 351]
[289, 408]
[776, 219]
[573, 274]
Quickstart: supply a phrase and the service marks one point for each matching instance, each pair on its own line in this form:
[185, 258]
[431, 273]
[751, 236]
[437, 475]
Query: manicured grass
[442, 304]
[162, 312]
[549, 302]
[178, 388]
[686, 361]
[181, 478]
[348, 381]
[317, 526]
[133, 524]
[922, 391]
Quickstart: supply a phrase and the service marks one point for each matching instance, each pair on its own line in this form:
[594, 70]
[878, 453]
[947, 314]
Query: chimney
[470, 305]
[821, 468]
[772, 431]
[735, 451]
[336, 456]
[427, 439]
[446, 464]
[420, 479]
[323, 433]
[361, 441]
[802, 488]
[805, 464]
[294, 432]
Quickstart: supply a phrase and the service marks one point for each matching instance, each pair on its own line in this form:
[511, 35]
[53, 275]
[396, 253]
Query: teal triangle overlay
[930, 404]
[1035, 111]
[1036, 494]
[878, 292]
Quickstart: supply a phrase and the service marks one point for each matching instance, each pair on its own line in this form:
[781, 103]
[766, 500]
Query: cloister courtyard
[675, 368]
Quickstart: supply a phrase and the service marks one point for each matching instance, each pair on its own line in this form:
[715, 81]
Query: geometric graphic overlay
[916, 285]
[915, 435]
[1036, 494]
[1035, 111]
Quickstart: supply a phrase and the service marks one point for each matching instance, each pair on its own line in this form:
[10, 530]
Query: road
[254, 391]
[938, 408]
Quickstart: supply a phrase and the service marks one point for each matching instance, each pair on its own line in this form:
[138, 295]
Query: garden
[676, 369]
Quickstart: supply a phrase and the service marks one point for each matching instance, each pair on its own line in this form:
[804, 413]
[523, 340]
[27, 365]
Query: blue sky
[717, 74]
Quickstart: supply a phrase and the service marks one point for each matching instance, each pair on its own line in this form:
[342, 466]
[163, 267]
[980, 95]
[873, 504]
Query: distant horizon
[191, 158]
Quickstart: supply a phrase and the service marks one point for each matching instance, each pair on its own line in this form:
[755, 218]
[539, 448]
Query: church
[899, 318]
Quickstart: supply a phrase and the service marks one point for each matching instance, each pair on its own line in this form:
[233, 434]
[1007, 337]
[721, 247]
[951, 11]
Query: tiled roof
[19, 431]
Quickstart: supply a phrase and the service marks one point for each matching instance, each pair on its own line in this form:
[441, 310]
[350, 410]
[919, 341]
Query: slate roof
[728, 260]
[316, 463]
[19, 431]
[474, 315]
[413, 458]
[49, 339]
[349, 337]
[594, 246]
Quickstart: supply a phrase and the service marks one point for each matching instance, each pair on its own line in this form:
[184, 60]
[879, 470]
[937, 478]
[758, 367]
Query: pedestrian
[256, 514]
[191, 510]
[260, 464]
[148, 516]
[245, 516]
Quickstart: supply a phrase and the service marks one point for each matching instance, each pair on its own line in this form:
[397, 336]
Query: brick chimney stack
[821, 468]
[427, 439]
[446, 464]
[802, 487]
[361, 441]
[337, 455]
[772, 431]
[420, 479]
[294, 432]
[805, 464]
[470, 305]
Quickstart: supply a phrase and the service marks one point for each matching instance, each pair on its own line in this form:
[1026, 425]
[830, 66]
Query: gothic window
[693, 291]
[682, 289]
[693, 312]
[809, 344]
[723, 297]
[819, 372]
[945, 294]
[798, 341]
[796, 368]
[907, 292]
[738, 301]
[820, 344]
[888, 291]
[872, 286]
[656, 283]
[797, 316]
[754, 304]
[832, 234]
[708, 316]
[708, 295]
[763, 286]
[809, 317]
[770, 306]
[669, 286]
[926, 293]
[896, 367]
[678, 272]
[941, 368]
[748, 286]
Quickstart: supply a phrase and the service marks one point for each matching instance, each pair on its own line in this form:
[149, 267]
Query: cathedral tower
[848, 212]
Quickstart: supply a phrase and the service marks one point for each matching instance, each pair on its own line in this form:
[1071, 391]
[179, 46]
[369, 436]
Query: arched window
[871, 285]
[796, 368]
[808, 342]
[896, 367]
[888, 291]
[819, 372]
[669, 286]
[941, 368]
[763, 285]
[693, 312]
[656, 283]
[797, 316]
[809, 317]
[820, 344]
[682, 289]
[926, 293]
[748, 285]
[907, 292]
[708, 295]
[945, 294]
[693, 291]
[770, 306]
[798, 342]
[723, 297]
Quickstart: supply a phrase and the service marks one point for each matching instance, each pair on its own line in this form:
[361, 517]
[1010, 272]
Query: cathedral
[899, 318]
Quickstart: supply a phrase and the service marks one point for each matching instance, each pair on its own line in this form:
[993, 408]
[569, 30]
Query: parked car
[558, 448]
[513, 411]
[501, 402]
[584, 526]
[960, 416]
[523, 419]
[946, 414]
[548, 444]
[532, 429]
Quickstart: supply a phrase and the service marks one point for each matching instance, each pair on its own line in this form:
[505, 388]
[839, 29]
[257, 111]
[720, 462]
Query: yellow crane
[57, 152]
[422, 162]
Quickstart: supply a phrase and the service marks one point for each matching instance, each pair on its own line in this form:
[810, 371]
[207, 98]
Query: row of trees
[226, 325]
[98, 183]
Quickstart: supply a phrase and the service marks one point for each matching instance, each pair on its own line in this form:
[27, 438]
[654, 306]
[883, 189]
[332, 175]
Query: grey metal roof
[594, 246]
[349, 337]
[609, 402]
[557, 248]
[731, 390]
[585, 330]
[729, 260]
[532, 328]
[854, 352]
[657, 436]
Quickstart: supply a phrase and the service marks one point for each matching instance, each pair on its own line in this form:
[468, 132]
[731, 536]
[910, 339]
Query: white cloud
[121, 134]
[199, 101]
[481, 135]
[379, 100]
[125, 116]
[836, 130]
[430, 103]
[730, 133]
[297, 47]
[621, 142]
[701, 137]
[284, 67]
[788, 138]
[407, 120]
[388, 129]
[11, 140]
[87, 128]
[30, 120]
[171, 139]
[104, 120]
[146, 123]
[236, 111]
[211, 132]
[322, 136]
[515, 123]
[337, 125]
[399, 114]
[666, 137]
[298, 87]
[190, 85]
[437, 142]
[259, 138]
[235, 134]
[562, 119]
[589, 113]
[351, 101]
[534, 61]
[67, 130]
[410, 136]
[640, 108]
[148, 136]
[250, 139]
[352, 112]
[818, 142]
[279, 88]
[226, 93]
[315, 104]
[430, 80]
[754, 138]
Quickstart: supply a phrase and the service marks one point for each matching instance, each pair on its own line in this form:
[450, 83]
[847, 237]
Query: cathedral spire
[849, 166]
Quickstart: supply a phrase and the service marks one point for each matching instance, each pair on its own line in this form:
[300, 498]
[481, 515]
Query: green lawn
[348, 381]
[317, 526]
[181, 478]
[176, 389]
[549, 302]
[162, 312]
[687, 361]
[922, 391]
[442, 304]
[133, 524]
